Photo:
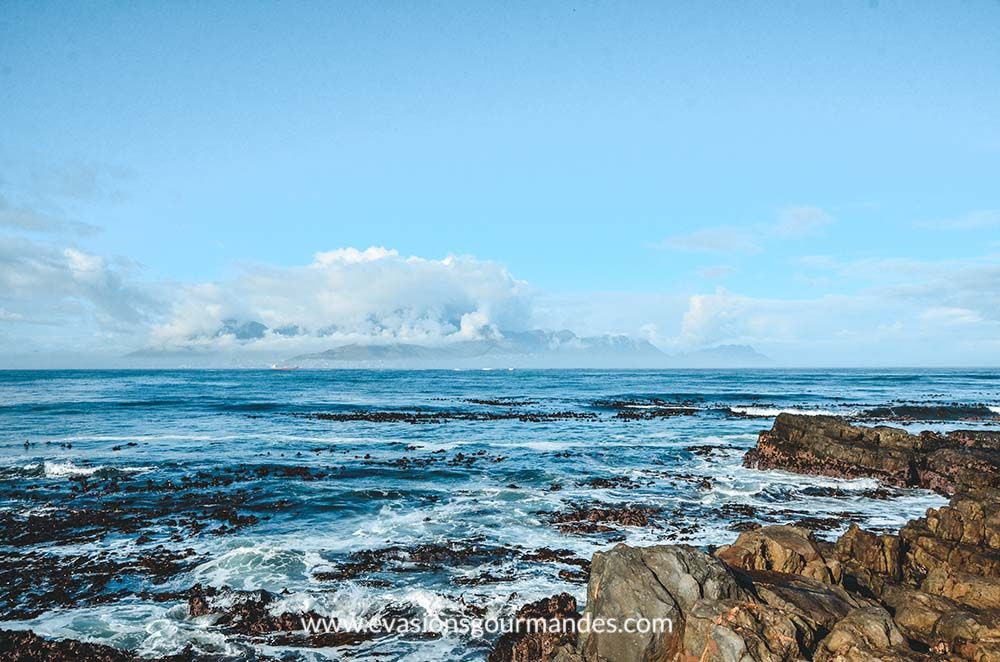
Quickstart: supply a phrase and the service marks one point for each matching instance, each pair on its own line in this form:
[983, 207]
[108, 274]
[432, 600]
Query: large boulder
[660, 583]
[820, 604]
[744, 631]
[945, 627]
[867, 634]
[787, 549]
[869, 561]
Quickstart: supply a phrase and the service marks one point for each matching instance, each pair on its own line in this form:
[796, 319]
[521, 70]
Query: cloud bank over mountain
[60, 302]
[348, 295]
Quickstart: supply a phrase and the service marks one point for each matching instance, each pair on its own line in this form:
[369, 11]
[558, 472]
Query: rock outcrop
[787, 549]
[930, 592]
[829, 446]
[660, 584]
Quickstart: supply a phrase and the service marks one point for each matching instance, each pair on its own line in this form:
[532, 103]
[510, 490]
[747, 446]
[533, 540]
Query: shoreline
[771, 579]
[929, 592]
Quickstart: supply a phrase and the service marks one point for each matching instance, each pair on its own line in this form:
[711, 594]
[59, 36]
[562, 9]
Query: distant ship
[275, 366]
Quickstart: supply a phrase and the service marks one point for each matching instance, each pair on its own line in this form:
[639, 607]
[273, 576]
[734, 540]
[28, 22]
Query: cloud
[42, 282]
[718, 272]
[795, 222]
[792, 223]
[715, 240]
[974, 220]
[349, 295]
[907, 312]
[33, 220]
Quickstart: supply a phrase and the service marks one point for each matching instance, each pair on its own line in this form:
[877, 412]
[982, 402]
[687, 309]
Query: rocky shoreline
[777, 593]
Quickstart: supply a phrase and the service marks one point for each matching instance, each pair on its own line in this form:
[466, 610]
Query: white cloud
[349, 295]
[46, 283]
[906, 312]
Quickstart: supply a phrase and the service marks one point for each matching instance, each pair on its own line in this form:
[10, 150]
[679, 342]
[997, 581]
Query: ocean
[426, 493]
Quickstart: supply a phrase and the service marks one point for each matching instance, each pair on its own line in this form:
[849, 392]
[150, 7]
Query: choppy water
[118, 463]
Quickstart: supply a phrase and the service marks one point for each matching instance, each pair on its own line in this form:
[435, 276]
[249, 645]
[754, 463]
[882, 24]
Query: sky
[818, 180]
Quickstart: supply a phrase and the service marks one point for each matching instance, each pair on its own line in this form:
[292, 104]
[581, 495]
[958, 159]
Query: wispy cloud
[29, 219]
[714, 240]
[974, 220]
[794, 222]
[791, 223]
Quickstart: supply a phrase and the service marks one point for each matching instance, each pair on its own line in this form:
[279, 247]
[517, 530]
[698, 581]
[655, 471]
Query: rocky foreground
[777, 594]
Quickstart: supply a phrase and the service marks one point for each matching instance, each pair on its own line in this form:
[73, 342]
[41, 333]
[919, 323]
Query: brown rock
[945, 627]
[829, 446]
[818, 603]
[869, 561]
[26, 646]
[546, 632]
[787, 549]
[744, 630]
[867, 634]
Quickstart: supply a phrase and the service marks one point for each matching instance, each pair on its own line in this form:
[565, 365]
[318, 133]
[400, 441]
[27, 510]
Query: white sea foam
[67, 469]
[995, 410]
[263, 565]
[149, 629]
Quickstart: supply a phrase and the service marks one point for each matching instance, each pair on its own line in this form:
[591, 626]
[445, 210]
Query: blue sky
[826, 176]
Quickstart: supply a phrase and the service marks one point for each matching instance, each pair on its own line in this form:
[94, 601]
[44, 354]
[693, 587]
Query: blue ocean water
[233, 472]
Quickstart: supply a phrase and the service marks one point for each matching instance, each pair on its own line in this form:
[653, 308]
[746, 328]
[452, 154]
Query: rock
[881, 554]
[967, 588]
[868, 561]
[951, 470]
[867, 634]
[963, 536]
[785, 549]
[661, 582]
[531, 643]
[596, 519]
[820, 604]
[945, 627]
[830, 446]
[26, 646]
[744, 631]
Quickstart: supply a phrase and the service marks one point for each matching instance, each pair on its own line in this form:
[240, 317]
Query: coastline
[775, 593]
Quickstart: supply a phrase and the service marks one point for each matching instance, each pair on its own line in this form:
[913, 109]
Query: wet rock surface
[26, 646]
[443, 416]
[532, 643]
[148, 521]
[776, 594]
[830, 446]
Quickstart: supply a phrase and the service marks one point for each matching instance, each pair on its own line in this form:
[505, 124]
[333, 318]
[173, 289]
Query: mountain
[509, 349]
[534, 349]
[515, 349]
[722, 356]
